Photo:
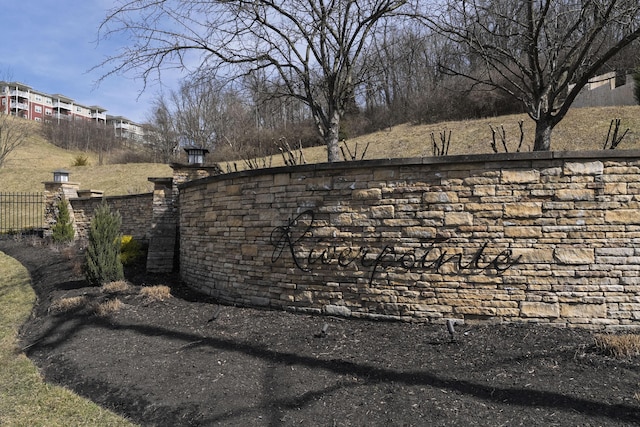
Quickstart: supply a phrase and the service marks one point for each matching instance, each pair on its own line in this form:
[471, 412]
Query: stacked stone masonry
[550, 238]
[135, 210]
[164, 229]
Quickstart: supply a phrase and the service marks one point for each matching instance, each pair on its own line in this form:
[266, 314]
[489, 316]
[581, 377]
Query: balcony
[19, 93]
[62, 116]
[121, 125]
[62, 105]
[99, 116]
[19, 106]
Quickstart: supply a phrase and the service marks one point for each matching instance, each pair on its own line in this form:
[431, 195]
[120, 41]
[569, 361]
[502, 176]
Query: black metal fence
[21, 213]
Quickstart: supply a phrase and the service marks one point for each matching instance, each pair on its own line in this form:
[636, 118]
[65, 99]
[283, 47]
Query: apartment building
[614, 88]
[21, 100]
[125, 128]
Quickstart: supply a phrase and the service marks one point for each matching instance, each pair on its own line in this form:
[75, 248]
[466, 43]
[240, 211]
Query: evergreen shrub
[81, 160]
[102, 261]
[62, 231]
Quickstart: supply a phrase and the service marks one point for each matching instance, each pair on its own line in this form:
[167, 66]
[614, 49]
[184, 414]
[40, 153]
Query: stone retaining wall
[551, 238]
[136, 211]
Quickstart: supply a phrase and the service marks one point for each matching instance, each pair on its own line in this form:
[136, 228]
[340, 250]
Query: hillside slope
[582, 129]
[34, 162]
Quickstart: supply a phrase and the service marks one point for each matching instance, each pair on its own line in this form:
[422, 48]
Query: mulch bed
[186, 361]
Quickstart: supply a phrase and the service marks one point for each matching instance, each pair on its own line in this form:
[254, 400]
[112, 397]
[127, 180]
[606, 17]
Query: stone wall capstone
[552, 238]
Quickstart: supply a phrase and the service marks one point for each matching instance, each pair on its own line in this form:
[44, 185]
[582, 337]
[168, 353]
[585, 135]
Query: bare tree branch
[541, 52]
[14, 132]
[308, 48]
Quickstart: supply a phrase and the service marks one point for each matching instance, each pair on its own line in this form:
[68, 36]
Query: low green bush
[130, 250]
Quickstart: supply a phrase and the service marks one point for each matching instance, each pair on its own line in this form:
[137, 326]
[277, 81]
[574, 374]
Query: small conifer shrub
[102, 261]
[81, 160]
[62, 231]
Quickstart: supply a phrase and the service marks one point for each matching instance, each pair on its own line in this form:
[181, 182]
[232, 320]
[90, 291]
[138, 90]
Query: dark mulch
[168, 364]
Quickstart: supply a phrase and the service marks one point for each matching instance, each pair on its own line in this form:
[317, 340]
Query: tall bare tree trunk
[331, 138]
[542, 142]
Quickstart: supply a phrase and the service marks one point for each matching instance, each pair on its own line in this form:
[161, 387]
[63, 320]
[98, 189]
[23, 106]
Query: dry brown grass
[156, 293]
[31, 164]
[581, 129]
[117, 287]
[64, 305]
[623, 345]
[76, 267]
[69, 252]
[108, 307]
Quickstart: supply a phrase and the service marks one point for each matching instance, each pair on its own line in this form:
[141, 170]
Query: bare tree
[403, 74]
[14, 132]
[82, 135]
[541, 52]
[307, 47]
[198, 107]
[270, 109]
[210, 114]
[162, 133]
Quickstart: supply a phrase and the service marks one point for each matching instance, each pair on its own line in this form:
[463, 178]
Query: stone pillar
[163, 242]
[163, 239]
[54, 192]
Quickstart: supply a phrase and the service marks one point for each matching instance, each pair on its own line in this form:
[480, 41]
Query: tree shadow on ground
[55, 331]
[66, 327]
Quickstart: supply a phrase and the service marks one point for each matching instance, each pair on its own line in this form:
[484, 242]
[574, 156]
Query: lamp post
[61, 175]
[195, 155]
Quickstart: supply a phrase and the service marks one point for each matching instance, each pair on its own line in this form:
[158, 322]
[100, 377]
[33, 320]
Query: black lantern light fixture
[195, 155]
[61, 175]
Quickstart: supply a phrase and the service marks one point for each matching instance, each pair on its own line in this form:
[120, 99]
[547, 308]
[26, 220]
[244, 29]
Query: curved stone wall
[551, 238]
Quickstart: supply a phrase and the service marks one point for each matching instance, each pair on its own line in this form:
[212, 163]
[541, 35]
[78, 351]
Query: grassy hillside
[582, 129]
[34, 162]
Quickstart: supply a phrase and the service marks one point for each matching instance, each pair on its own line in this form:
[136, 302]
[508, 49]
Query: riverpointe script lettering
[295, 239]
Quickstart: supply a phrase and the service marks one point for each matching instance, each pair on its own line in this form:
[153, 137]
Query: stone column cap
[162, 180]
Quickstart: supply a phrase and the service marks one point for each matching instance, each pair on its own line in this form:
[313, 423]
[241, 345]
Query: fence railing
[21, 213]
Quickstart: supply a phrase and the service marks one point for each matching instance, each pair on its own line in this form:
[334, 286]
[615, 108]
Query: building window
[38, 98]
[47, 111]
[78, 109]
[38, 119]
[38, 109]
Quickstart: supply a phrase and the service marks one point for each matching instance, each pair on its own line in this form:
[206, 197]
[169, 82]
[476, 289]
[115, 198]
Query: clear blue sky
[52, 45]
